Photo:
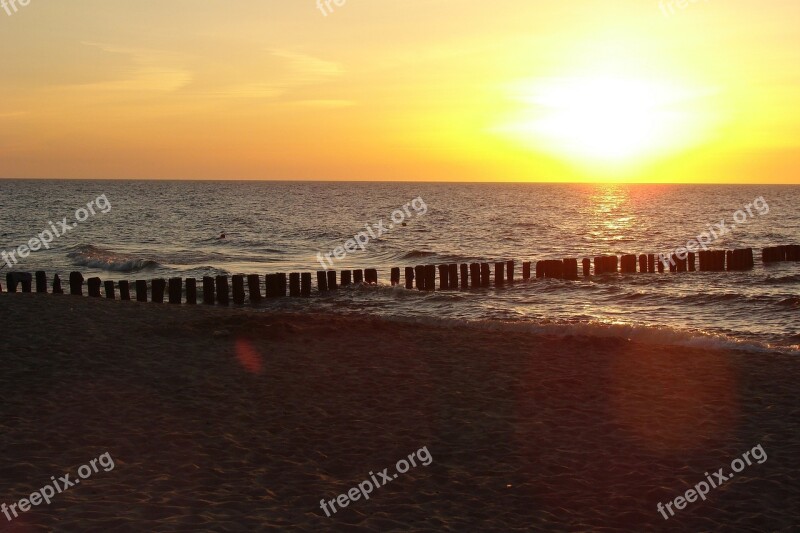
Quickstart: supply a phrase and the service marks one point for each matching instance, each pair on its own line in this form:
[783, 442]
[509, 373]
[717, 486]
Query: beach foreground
[235, 420]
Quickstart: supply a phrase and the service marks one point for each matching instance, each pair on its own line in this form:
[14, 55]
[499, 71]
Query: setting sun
[609, 119]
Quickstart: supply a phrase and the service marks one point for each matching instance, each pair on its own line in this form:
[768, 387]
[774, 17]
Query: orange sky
[435, 90]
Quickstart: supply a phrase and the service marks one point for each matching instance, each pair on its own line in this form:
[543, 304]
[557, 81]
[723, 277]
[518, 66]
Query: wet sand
[235, 420]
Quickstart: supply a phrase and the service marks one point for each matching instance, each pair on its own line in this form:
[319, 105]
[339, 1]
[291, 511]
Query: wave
[779, 280]
[96, 257]
[417, 253]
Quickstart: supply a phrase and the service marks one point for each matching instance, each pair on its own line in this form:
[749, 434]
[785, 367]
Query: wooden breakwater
[255, 288]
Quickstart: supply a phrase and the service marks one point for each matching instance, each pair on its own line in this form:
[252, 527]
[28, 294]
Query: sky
[703, 91]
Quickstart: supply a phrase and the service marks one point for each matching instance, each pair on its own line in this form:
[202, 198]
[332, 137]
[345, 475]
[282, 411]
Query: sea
[132, 230]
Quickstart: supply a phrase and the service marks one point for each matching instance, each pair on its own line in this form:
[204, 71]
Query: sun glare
[611, 119]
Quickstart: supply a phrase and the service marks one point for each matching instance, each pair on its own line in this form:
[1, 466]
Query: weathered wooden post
[730, 260]
[444, 277]
[322, 280]
[660, 266]
[570, 269]
[280, 284]
[346, 277]
[409, 277]
[371, 276]
[419, 273]
[598, 266]
[643, 264]
[475, 275]
[94, 287]
[691, 260]
[41, 281]
[109, 287]
[222, 290]
[510, 271]
[208, 290]
[464, 272]
[11, 282]
[141, 290]
[191, 291]
[26, 280]
[628, 264]
[271, 285]
[238, 289]
[681, 263]
[430, 277]
[651, 263]
[587, 267]
[175, 290]
[453, 274]
[332, 286]
[499, 268]
[294, 284]
[158, 287]
[395, 276]
[358, 276]
[124, 290]
[305, 284]
[57, 289]
[485, 275]
[526, 270]
[254, 287]
[75, 284]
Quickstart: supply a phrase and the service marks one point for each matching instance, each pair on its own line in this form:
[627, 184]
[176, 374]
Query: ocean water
[145, 230]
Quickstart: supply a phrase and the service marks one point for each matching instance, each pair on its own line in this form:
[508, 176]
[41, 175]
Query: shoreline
[229, 418]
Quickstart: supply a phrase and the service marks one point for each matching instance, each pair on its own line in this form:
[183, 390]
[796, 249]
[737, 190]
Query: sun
[615, 120]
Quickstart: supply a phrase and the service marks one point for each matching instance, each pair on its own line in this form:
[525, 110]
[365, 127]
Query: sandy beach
[235, 420]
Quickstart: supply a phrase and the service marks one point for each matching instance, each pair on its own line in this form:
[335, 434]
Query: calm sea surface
[162, 229]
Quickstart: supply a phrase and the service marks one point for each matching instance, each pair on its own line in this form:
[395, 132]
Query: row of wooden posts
[423, 277]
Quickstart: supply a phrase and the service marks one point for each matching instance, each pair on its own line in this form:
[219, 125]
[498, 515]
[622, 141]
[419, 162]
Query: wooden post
[682, 264]
[158, 286]
[570, 269]
[651, 263]
[628, 264]
[464, 267]
[11, 282]
[452, 271]
[280, 284]
[271, 285]
[305, 284]
[75, 284]
[41, 281]
[660, 267]
[124, 290]
[223, 293]
[691, 260]
[109, 286]
[731, 261]
[499, 268]
[526, 270]
[430, 277]
[57, 285]
[475, 275]
[358, 276]
[643, 264]
[792, 252]
[444, 277]
[238, 288]
[294, 284]
[346, 278]
[510, 271]
[485, 275]
[409, 277]
[254, 287]
[175, 290]
[141, 290]
[395, 276]
[332, 286]
[598, 266]
[371, 276]
[26, 280]
[208, 290]
[94, 287]
[322, 280]
[419, 272]
[191, 291]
